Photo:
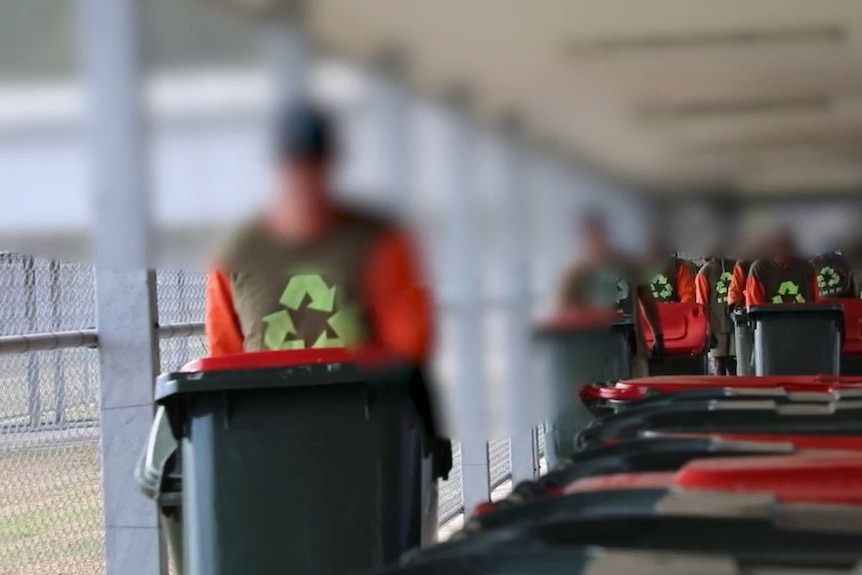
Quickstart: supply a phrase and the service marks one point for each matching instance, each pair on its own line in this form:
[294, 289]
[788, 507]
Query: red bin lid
[789, 382]
[289, 358]
[819, 442]
[656, 480]
[809, 478]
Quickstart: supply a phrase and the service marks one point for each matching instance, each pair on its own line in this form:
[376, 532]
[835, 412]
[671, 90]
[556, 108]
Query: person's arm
[755, 293]
[399, 306]
[736, 289]
[685, 287]
[815, 288]
[702, 290]
[649, 307]
[223, 332]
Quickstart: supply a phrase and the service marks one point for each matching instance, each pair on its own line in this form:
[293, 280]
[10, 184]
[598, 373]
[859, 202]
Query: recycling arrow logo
[722, 285]
[827, 279]
[661, 288]
[788, 292]
[314, 316]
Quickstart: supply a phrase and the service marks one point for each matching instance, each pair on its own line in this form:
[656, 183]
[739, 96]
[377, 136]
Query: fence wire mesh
[181, 299]
[50, 496]
[499, 462]
[451, 500]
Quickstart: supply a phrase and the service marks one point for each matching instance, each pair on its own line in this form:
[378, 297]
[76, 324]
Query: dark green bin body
[797, 339]
[320, 469]
[569, 358]
[744, 334]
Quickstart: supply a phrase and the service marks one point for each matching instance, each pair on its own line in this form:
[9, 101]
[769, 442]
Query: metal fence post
[57, 356]
[34, 401]
[111, 34]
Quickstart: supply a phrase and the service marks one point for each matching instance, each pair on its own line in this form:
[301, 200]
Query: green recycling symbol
[722, 285]
[828, 278]
[788, 289]
[309, 294]
[661, 288]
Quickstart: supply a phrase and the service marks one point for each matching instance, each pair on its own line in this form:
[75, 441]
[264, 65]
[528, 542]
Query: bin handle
[161, 444]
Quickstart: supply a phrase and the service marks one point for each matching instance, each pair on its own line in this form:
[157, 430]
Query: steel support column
[287, 52]
[390, 140]
[463, 295]
[514, 293]
[111, 34]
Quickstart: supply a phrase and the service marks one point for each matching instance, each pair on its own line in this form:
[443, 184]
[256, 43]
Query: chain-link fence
[180, 301]
[50, 493]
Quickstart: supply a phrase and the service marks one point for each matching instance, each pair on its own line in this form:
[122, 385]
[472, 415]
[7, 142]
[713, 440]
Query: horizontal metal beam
[15, 344]
[180, 330]
[89, 338]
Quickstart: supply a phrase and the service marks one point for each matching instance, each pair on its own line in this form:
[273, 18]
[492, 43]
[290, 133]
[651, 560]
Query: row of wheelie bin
[683, 472]
[681, 475]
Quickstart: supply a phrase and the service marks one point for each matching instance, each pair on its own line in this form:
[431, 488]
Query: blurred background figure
[308, 273]
[834, 274]
[672, 277]
[713, 287]
[854, 259]
[605, 280]
[783, 277]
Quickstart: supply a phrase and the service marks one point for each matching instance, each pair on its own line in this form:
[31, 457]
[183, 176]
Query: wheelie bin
[797, 339]
[744, 334]
[685, 339]
[725, 417]
[851, 350]
[313, 461]
[578, 348]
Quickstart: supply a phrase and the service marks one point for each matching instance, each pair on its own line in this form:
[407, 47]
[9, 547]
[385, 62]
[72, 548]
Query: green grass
[50, 511]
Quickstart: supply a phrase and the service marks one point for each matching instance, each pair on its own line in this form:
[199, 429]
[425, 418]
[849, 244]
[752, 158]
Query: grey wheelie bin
[573, 351]
[303, 462]
[744, 335]
[797, 339]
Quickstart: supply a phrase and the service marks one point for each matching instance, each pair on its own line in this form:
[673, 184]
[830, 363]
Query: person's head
[783, 246]
[595, 236]
[305, 150]
[659, 250]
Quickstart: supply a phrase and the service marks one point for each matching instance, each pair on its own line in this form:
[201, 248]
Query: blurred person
[713, 286]
[782, 278]
[695, 265]
[605, 280]
[738, 281]
[307, 273]
[854, 260]
[673, 279]
[834, 275]
[749, 251]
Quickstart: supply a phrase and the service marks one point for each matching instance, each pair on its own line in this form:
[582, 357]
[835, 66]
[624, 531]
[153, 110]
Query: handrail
[25, 343]
[82, 338]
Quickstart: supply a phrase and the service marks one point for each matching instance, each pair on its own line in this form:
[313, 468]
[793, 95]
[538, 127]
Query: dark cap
[304, 133]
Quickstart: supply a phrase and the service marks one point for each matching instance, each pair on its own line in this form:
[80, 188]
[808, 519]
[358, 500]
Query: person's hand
[657, 349]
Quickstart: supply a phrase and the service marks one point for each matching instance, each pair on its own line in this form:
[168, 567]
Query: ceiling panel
[658, 92]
